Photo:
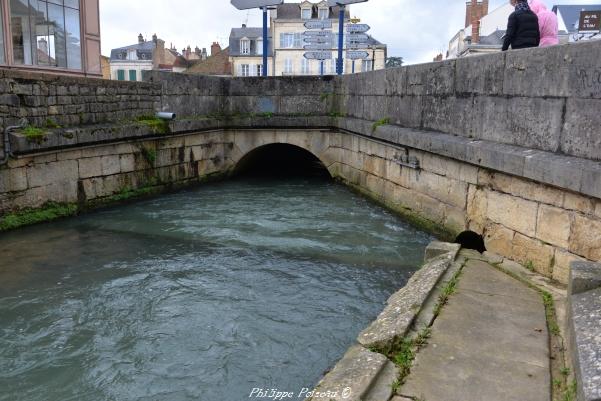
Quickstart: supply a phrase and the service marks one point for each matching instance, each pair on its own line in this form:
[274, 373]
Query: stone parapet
[584, 321]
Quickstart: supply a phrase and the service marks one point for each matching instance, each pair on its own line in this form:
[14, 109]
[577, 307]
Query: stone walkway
[490, 343]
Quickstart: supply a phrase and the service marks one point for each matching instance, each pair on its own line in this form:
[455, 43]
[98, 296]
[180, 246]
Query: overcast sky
[414, 29]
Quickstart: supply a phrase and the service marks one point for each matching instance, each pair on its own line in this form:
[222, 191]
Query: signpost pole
[265, 42]
[340, 62]
[353, 66]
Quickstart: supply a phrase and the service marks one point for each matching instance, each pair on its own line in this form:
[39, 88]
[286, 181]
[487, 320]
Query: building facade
[61, 36]
[127, 63]
[286, 44]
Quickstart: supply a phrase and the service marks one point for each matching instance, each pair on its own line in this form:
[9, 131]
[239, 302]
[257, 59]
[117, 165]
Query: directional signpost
[357, 28]
[356, 55]
[325, 24]
[263, 5]
[319, 55]
[342, 4]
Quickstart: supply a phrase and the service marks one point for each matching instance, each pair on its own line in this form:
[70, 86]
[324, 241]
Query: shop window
[45, 33]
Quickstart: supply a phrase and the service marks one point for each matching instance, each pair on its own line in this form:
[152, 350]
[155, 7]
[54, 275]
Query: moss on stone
[156, 125]
[50, 211]
[379, 123]
[34, 134]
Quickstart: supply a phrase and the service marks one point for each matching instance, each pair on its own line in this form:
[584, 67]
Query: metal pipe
[164, 115]
[7, 151]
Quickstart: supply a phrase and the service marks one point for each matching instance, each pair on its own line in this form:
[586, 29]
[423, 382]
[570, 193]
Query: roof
[293, 11]
[217, 64]
[145, 48]
[495, 38]
[571, 14]
[254, 34]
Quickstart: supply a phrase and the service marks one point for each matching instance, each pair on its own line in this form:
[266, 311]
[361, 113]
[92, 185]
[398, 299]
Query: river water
[200, 295]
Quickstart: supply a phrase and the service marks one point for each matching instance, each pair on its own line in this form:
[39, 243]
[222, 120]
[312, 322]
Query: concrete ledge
[359, 376]
[584, 320]
[396, 320]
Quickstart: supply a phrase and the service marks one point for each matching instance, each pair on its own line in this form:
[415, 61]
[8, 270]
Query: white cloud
[414, 29]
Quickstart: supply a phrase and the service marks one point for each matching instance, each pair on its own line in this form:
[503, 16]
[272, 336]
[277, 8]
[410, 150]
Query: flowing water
[199, 295]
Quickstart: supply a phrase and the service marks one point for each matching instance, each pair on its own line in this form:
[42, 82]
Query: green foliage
[570, 392]
[550, 312]
[379, 123]
[149, 154]
[48, 212]
[393, 62]
[156, 125]
[336, 114]
[325, 96]
[34, 134]
[446, 293]
[51, 124]
[530, 266]
[267, 114]
[404, 353]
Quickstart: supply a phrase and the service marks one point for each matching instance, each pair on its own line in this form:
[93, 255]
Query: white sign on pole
[318, 55]
[357, 28]
[355, 55]
[317, 33]
[319, 46]
[248, 4]
[318, 39]
[325, 24]
[357, 37]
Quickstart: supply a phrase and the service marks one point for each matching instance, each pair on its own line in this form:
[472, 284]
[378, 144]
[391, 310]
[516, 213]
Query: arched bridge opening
[281, 160]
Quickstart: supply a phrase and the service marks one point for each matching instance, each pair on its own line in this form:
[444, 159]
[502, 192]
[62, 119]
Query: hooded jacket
[522, 28]
[547, 23]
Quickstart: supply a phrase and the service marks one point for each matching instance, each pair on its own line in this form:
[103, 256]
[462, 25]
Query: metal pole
[353, 66]
[265, 42]
[321, 64]
[340, 63]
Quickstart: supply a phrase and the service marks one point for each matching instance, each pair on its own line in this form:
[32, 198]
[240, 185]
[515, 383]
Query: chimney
[43, 45]
[155, 38]
[158, 56]
[243, 25]
[215, 48]
[140, 39]
[204, 55]
[475, 22]
[197, 51]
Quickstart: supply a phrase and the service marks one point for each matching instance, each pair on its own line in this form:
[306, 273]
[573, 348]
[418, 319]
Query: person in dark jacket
[522, 28]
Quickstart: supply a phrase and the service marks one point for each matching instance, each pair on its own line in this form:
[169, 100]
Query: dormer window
[324, 13]
[306, 13]
[132, 55]
[244, 46]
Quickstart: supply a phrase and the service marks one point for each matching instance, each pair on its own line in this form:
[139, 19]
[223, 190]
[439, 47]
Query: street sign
[325, 24]
[248, 4]
[334, 3]
[356, 45]
[355, 55]
[318, 39]
[357, 37]
[318, 55]
[590, 22]
[357, 28]
[317, 33]
[319, 46]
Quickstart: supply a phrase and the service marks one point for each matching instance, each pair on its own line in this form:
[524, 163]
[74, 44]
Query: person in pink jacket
[547, 22]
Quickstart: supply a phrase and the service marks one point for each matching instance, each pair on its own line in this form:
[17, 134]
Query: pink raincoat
[547, 22]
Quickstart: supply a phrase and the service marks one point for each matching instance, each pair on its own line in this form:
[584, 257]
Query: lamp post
[342, 4]
[263, 5]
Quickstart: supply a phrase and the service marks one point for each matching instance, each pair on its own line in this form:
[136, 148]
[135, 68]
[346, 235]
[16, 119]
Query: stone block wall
[547, 99]
[45, 99]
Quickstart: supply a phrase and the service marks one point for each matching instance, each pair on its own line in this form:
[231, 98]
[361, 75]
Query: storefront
[51, 35]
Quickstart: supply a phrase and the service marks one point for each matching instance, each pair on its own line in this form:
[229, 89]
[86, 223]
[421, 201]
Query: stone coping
[567, 172]
[584, 328]
[363, 374]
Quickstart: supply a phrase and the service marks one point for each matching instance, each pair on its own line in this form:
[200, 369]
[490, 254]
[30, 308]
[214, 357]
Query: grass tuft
[156, 125]
[26, 217]
[379, 123]
[34, 134]
[446, 293]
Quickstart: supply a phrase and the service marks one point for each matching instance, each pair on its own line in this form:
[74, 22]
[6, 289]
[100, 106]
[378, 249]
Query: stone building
[286, 52]
[127, 63]
[218, 63]
[57, 36]
[568, 17]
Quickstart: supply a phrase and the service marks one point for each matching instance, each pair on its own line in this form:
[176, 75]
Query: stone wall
[506, 145]
[546, 99]
[71, 101]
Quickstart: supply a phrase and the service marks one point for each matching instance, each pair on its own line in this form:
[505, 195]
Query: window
[132, 55]
[367, 65]
[306, 13]
[287, 40]
[305, 66]
[2, 47]
[259, 70]
[260, 47]
[120, 75]
[288, 69]
[46, 33]
[245, 46]
[133, 76]
[244, 70]
[324, 13]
